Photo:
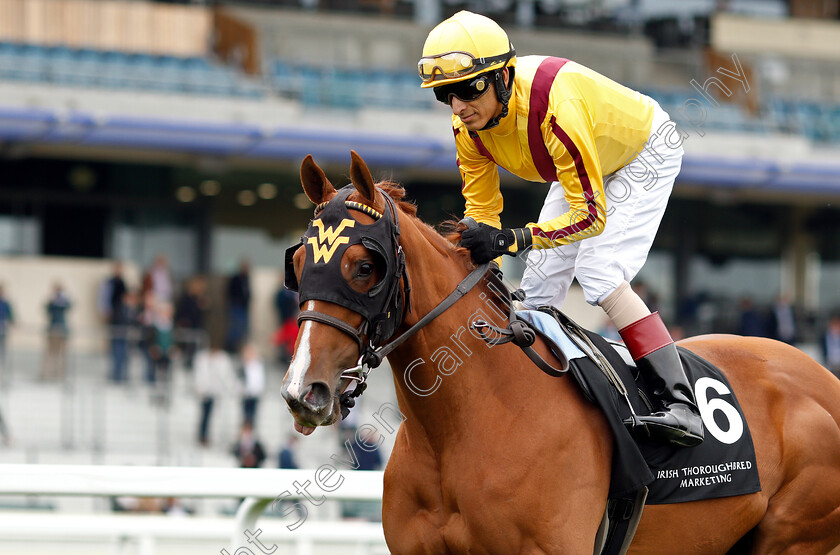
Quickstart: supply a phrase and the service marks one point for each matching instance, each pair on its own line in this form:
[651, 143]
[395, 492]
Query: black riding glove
[486, 242]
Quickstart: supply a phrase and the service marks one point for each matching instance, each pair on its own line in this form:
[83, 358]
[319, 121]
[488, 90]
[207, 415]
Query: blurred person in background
[146, 319]
[158, 279]
[367, 454]
[287, 459]
[677, 332]
[751, 321]
[162, 347]
[608, 331]
[55, 359]
[4, 431]
[369, 457]
[7, 319]
[189, 318]
[169, 506]
[175, 507]
[649, 297]
[113, 293]
[287, 307]
[213, 378]
[549, 119]
[248, 449]
[125, 328]
[288, 453]
[781, 323]
[252, 374]
[831, 345]
[238, 306]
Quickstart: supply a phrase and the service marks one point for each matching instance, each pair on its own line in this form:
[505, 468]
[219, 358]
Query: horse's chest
[449, 513]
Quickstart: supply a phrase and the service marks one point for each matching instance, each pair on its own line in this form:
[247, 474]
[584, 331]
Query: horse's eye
[365, 269]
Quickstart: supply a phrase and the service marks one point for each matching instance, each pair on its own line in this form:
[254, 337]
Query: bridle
[384, 306]
[390, 297]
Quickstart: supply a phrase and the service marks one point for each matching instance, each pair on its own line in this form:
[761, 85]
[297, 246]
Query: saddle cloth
[722, 466]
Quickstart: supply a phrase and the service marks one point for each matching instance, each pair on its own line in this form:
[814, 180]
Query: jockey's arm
[480, 187]
[570, 142]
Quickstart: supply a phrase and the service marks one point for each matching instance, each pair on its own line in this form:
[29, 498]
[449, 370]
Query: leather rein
[372, 353]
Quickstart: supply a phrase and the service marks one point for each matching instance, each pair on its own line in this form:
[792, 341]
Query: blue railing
[348, 88]
[352, 89]
[819, 121]
[120, 70]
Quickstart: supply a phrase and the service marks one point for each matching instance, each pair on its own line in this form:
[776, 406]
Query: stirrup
[668, 426]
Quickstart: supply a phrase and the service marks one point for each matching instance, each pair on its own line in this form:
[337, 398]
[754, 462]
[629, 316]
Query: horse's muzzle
[314, 406]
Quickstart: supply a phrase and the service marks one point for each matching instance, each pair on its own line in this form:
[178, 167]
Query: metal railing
[60, 396]
[259, 488]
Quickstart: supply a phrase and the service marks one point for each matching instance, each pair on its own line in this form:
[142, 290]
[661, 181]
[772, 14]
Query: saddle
[603, 370]
[643, 471]
[647, 472]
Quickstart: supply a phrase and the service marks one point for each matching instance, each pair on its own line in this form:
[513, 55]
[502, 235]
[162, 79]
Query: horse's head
[347, 269]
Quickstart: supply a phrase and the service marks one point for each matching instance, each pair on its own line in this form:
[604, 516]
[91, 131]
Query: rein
[373, 358]
[518, 332]
[391, 294]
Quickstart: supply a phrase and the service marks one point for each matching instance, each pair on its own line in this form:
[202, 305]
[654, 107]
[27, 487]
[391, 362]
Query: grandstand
[133, 128]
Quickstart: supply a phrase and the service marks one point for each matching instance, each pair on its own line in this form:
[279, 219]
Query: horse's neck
[445, 372]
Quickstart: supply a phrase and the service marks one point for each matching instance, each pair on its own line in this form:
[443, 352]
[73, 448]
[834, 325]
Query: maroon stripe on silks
[480, 146]
[646, 336]
[458, 163]
[585, 183]
[455, 131]
[537, 110]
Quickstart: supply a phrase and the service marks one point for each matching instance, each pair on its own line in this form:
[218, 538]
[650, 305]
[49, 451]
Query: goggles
[466, 91]
[456, 64]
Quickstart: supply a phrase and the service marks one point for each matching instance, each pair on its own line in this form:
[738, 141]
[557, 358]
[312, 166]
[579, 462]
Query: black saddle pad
[722, 466]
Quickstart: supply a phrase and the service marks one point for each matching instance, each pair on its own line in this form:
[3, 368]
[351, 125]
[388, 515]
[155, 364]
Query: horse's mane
[397, 194]
[449, 231]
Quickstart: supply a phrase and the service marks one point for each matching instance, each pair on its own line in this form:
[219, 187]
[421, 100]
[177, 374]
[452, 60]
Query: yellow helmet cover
[462, 46]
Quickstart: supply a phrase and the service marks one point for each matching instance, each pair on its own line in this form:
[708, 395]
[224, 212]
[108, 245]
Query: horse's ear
[361, 178]
[315, 183]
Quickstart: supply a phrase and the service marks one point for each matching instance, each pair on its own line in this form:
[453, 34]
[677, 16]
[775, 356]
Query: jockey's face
[477, 113]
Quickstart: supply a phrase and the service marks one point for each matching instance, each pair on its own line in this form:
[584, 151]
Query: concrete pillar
[684, 250]
[427, 12]
[204, 256]
[800, 262]
[525, 13]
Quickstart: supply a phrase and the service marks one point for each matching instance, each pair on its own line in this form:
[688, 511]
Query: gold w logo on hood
[328, 239]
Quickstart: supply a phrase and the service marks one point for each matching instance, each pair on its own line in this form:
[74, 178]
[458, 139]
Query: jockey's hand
[486, 242]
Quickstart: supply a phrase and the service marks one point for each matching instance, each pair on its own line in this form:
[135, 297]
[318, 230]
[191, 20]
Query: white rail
[259, 487]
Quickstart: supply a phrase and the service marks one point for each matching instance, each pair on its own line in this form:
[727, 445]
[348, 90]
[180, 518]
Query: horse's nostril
[317, 396]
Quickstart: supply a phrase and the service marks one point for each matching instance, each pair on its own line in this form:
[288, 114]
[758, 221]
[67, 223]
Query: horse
[495, 456]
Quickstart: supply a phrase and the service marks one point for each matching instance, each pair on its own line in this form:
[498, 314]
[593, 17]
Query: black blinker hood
[330, 234]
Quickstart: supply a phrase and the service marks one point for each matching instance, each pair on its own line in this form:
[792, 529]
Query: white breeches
[636, 197]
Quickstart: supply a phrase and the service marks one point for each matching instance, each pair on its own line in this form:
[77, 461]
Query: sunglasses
[465, 91]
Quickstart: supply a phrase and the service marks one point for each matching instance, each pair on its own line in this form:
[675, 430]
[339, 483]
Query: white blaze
[302, 357]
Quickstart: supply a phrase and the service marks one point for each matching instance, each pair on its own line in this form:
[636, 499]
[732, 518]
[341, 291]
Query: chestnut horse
[495, 456]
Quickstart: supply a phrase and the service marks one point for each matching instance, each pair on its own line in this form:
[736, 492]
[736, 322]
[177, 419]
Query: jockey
[611, 155]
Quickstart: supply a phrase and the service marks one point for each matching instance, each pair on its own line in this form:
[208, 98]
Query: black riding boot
[652, 348]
